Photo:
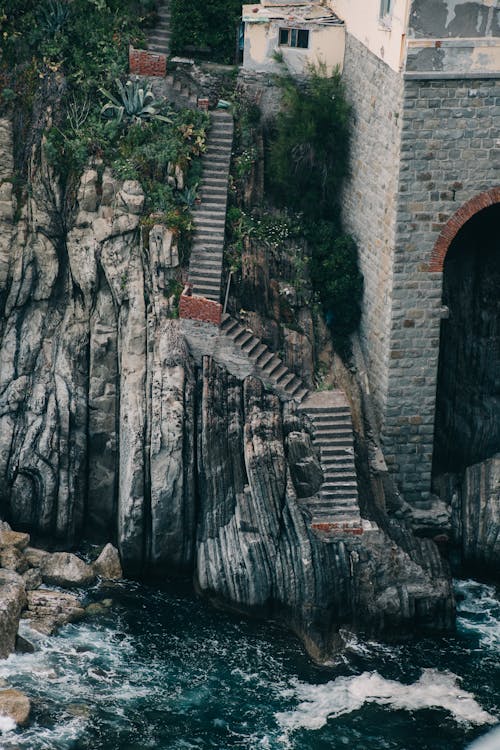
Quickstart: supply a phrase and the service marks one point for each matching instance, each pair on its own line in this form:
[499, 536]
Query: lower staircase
[205, 267]
[336, 507]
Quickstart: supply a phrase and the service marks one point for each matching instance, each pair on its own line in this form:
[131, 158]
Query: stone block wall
[450, 158]
[370, 198]
[142, 62]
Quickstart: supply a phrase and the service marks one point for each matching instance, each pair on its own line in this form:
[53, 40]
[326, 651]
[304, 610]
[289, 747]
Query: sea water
[164, 670]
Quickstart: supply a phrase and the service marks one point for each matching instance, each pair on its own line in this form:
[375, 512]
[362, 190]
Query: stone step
[264, 358]
[258, 352]
[287, 380]
[243, 338]
[251, 346]
[271, 366]
[279, 374]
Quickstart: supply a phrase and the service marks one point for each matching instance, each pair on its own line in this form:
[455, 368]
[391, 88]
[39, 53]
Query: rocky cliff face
[108, 430]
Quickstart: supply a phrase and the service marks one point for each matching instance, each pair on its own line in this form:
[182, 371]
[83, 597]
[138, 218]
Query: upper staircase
[159, 37]
[205, 267]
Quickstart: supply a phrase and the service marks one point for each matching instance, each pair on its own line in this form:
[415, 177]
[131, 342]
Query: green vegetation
[308, 156]
[206, 27]
[136, 103]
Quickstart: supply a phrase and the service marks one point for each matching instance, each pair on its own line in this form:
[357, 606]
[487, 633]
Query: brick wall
[192, 307]
[142, 62]
[369, 200]
[450, 169]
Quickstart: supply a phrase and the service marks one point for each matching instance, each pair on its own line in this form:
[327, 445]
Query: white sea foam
[434, 689]
[491, 741]
[479, 612]
[7, 724]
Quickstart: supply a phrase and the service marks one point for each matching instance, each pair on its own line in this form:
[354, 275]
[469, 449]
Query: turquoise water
[164, 670]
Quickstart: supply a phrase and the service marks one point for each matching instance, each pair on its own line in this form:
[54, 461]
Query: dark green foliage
[309, 147]
[308, 161]
[199, 25]
[336, 277]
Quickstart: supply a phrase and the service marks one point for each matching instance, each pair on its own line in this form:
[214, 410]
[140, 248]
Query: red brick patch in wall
[457, 221]
[142, 62]
[337, 527]
[192, 307]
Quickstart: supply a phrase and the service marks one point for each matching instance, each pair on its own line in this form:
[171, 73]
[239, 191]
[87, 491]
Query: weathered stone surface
[49, 610]
[14, 539]
[32, 579]
[12, 559]
[256, 551]
[108, 563]
[35, 556]
[66, 570]
[12, 602]
[476, 515]
[16, 705]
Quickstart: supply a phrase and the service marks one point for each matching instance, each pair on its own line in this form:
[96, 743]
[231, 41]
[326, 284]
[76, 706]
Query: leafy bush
[208, 26]
[309, 147]
[336, 277]
[308, 161]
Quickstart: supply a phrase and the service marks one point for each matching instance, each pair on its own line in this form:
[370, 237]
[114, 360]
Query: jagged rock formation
[109, 428]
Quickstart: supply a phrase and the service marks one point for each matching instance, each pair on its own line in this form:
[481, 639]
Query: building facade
[424, 81]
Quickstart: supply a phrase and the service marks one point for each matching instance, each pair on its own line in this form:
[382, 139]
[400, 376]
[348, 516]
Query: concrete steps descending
[205, 267]
[336, 507]
[268, 367]
[159, 38]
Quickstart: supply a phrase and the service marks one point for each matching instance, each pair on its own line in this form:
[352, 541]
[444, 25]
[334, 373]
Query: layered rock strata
[110, 430]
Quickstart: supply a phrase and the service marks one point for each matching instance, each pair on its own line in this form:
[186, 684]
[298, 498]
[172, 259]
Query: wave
[434, 689]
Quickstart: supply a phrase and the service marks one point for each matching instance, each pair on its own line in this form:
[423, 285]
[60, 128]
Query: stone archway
[467, 418]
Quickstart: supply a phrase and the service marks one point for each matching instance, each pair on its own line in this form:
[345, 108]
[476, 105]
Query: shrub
[209, 26]
[309, 145]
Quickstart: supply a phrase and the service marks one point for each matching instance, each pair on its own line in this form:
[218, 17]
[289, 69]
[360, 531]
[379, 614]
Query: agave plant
[135, 103]
[52, 16]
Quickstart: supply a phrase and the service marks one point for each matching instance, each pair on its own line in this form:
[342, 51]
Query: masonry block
[142, 62]
[205, 310]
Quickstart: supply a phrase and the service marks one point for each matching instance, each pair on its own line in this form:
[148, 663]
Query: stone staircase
[336, 508]
[267, 366]
[205, 267]
[159, 37]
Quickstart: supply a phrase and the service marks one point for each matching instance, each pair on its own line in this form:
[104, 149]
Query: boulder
[32, 579]
[108, 563]
[14, 539]
[35, 556]
[15, 705]
[12, 559]
[12, 602]
[48, 610]
[66, 570]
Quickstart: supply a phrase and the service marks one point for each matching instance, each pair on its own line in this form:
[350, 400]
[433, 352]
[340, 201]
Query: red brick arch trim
[457, 221]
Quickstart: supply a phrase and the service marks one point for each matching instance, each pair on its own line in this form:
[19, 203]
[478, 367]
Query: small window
[385, 8]
[294, 38]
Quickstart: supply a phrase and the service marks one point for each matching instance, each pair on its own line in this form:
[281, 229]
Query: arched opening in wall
[467, 424]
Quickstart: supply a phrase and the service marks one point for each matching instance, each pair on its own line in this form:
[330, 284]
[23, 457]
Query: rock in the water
[34, 556]
[12, 602]
[15, 539]
[108, 563]
[66, 570]
[32, 579]
[48, 610]
[12, 559]
[476, 515]
[15, 705]
[23, 646]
